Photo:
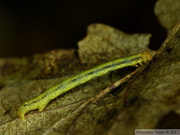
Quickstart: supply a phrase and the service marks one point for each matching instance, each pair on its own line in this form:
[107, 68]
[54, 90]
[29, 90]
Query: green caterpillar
[41, 101]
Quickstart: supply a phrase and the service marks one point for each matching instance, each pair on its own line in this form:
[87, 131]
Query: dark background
[27, 28]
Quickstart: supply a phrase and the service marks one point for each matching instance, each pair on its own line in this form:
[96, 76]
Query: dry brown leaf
[104, 43]
[168, 13]
[156, 93]
[140, 103]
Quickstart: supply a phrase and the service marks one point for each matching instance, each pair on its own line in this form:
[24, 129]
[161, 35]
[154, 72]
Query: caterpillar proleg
[41, 101]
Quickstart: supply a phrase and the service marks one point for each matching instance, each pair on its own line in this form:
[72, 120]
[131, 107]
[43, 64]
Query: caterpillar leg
[42, 106]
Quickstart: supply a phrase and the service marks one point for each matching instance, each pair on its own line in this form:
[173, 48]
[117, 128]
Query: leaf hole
[169, 50]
